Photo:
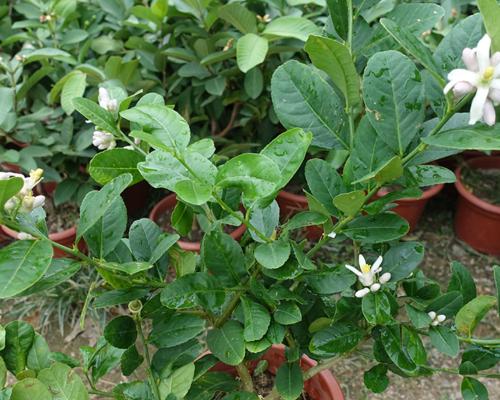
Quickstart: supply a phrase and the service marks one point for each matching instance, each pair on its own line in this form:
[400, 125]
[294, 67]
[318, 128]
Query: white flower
[30, 202]
[436, 319]
[368, 276]
[24, 200]
[103, 140]
[105, 100]
[482, 75]
[332, 235]
[24, 236]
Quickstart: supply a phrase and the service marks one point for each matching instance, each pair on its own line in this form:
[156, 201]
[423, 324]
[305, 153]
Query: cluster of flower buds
[436, 319]
[25, 201]
[101, 139]
[106, 101]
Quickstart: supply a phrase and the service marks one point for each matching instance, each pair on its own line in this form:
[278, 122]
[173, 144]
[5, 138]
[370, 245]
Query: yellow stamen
[488, 73]
[365, 268]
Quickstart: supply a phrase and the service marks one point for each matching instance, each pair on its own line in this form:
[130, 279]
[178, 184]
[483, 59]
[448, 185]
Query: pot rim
[56, 236]
[477, 162]
[169, 202]
[427, 194]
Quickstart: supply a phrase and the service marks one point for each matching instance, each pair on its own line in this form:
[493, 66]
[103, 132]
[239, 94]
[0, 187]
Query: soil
[483, 183]
[61, 217]
[264, 382]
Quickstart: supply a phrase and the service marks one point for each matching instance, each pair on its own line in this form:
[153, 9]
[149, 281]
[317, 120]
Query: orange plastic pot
[412, 209]
[168, 204]
[477, 222]
[322, 386]
[291, 204]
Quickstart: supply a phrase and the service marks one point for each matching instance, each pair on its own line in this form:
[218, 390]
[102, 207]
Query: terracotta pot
[322, 386]
[291, 204]
[477, 222]
[9, 167]
[168, 204]
[66, 238]
[411, 209]
[136, 198]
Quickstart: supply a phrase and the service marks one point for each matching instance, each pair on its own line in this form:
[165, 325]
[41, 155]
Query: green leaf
[391, 338]
[472, 313]
[256, 175]
[288, 151]
[254, 83]
[289, 381]
[97, 203]
[239, 16]
[257, 320]
[324, 182]
[339, 13]
[107, 165]
[176, 330]
[418, 318]
[128, 268]
[223, 257]
[413, 46]
[496, 274]
[74, 87]
[19, 337]
[144, 236]
[336, 60]
[461, 280]
[9, 188]
[377, 228]
[165, 125]
[39, 354]
[376, 308]
[350, 203]
[490, 11]
[63, 382]
[121, 332]
[376, 379]
[429, 175]
[337, 339]
[304, 219]
[447, 304]
[273, 255]
[22, 264]
[291, 27]
[302, 98]
[227, 343]
[393, 93]
[474, 138]
[103, 237]
[443, 339]
[472, 389]
[165, 242]
[330, 280]
[287, 313]
[49, 53]
[30, 389]
[178, 383]
[102, 118]
[251, 50]
[265, 220]
[130, 361]
[241, 396]
[402, 259]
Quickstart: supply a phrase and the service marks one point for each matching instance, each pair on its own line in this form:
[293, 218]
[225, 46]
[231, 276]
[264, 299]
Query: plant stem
[481, 342]
[320, 367]
[245, 377]
[151, 378]
[101, 393]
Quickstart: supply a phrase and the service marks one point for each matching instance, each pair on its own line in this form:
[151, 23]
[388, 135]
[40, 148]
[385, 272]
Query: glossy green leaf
[420, 319]
[376, 308]
[130, 361]
[472, 313]
[107, 165]
[328, 281]
[63, 382]
[121, 332]
[443, 339]
[30, 389]
[256, 175]
[376, 378]
[289, 381]
[19, 337]
[178, 383]
[393, 92]
[254, 83]
[473, 138]
[472, 389]
[39, 354]
[273, 255]
[461, 280]
[447, 304]
[227, 343]
[377, 228]
[96, 204]
[402, 259]
[391, 338]
[144, 236]
[102, 118]
[251, 51]
[265, 220]
[176, 330]
[350, 203]
[22, 264]
[337, 339]
[257, 320]
[287, 313]
[336, 60]
[302, 98]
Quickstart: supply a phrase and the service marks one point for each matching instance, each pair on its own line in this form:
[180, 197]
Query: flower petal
[354, 270]
[361, 260]
[385, 277]
[462, 88]
[489, 115]
[470, 60]
[432, 315]
[332, 235]
[464, 75]
[483, 53]
[441, 317]
[361, 293]
[376, 264]
[477, 106]
[495, 84]
[375, 287]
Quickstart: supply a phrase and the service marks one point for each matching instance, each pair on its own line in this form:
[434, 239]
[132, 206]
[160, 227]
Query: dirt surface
[483, 183]
[61, 217]
[264, 382]
[435, 230]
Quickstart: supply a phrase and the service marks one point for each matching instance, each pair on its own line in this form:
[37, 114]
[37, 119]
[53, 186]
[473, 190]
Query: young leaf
[376, 379]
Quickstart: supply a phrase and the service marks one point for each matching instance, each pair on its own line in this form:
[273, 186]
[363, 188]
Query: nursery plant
[199, 326]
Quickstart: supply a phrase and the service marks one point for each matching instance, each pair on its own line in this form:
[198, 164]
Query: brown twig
[232, 119]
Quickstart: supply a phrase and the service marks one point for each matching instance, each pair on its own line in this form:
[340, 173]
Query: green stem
[147, 357]
[326, 364]
[100, 393]
[481, 342]
[245, 377]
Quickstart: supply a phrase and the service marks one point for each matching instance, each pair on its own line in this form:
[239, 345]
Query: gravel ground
[436, 231]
